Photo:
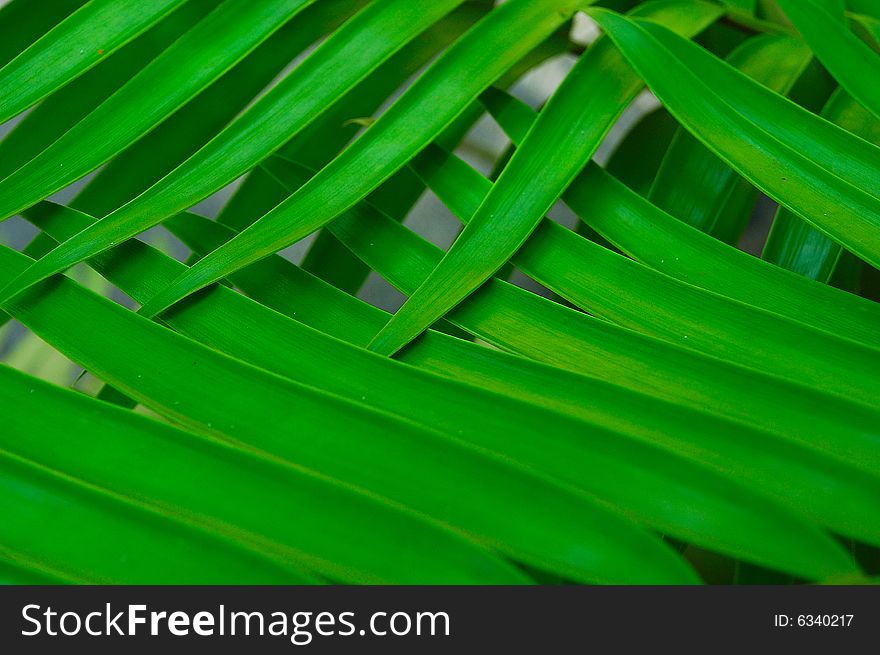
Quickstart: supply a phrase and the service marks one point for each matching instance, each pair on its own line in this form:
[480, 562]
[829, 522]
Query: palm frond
[663, 395]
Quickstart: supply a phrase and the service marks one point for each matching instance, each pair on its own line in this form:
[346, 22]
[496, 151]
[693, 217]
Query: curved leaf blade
[21, 25]
[346, 57]
[847, 213]
[849, 60]
[653, 237]
[232, 494]
[792, 243]
[633, 295]
[200, 56]
[64, 108]
[606, 464]
[521, 513]
[147, 547]
[418, 116]
[180, 136]
[521, 322]
[102, 25]
[558, 144]
[692, 184]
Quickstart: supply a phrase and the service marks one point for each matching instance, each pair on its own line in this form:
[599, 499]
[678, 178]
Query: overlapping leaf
[505, 316]
[192, 62]
[703, 394]
[635, 296]
[74, 46]
[567, 134]
[649, 235]
[341, 61]
[582, 455]
[792, 243]
[202, 486]
[694, 185]
[829, 182]
[851, 61]
[322, 432]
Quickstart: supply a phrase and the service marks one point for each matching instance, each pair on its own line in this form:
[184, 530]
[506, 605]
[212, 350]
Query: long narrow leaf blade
[200, 56]
[418, 116]
[228, 492]
[692, 184]
[522, 322]
[849, 60]
[635, 296]
[605, 464]
[63, 109]
[180, 136]
[521, 513]
[654, 237]
[347, 56]
[837, 206]
[559, 143]
[74, 46]
[792, 243]
[58, 527]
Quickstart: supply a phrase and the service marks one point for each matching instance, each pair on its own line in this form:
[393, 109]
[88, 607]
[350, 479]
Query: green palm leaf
[651, 236]
[582, 455]
[202, 475]
[792, 243]
[503, 315]
[637, 297]
[532, 180]
[694, 185]
[847, 213]
[180, 72]
[851, 61]
[592, 381]
[385, 468]
[74, 46]
[369, 38]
